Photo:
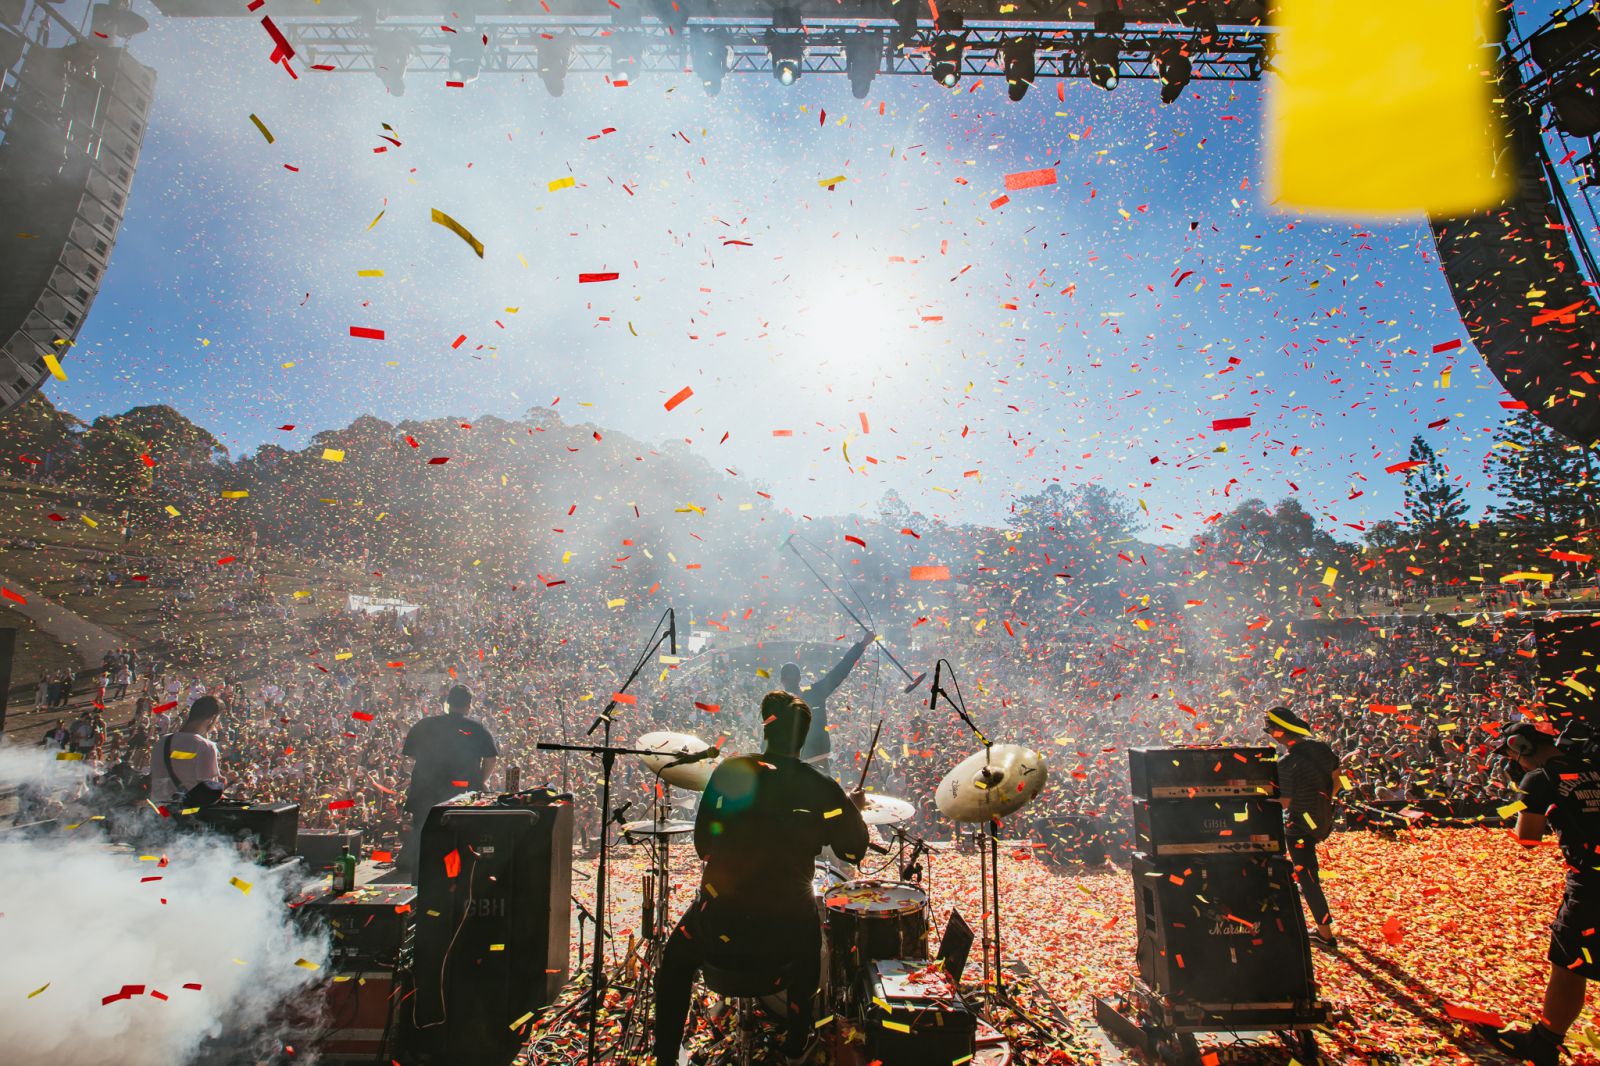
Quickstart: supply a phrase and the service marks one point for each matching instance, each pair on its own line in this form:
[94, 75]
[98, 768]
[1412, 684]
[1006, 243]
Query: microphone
[933, 697]
[672, 629]
[616, 815]
[699, 756]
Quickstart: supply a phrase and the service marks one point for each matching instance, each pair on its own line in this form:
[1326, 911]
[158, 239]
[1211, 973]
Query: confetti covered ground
[1425, 920]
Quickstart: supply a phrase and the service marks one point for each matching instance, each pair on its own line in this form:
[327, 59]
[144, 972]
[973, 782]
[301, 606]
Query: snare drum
[872, 920]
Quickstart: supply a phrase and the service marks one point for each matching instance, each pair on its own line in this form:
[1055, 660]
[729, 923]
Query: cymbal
[649, 827]
[991, 784]
[886, 810]
[692, 776]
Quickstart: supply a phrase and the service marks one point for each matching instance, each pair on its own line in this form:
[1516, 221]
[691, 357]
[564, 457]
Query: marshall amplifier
[494, 889]
[1222, 933]
[1165, 828]
[1202, 773]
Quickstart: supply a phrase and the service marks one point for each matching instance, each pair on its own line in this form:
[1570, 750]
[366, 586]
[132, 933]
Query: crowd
[319, 702]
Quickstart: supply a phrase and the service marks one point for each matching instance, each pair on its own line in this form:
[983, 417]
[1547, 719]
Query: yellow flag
[1384, 108]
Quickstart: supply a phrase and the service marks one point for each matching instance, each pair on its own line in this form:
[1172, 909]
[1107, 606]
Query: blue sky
[887, 296]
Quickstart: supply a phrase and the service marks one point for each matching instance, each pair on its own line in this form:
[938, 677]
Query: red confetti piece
[163, 708]
[193, 986]
[1447, 346]
[1563, 557]
[361, 716]
[452, 864]
[225, 560]
[341, 805]
[14, 597]
[287, 428]
[366, 333]
[439, 460]
[999, 201]
[1474, 1016]
[56, 518]
[930, 573]
[678, 397]
[1513, 405]
[1221, 424]
[625, 699]
[413, 442]
[855, 540]
[396, 665]
[1030, 179]
[709, 708]
[589, 279]
[783, 433]
[459, 341]
[383, 856]
[1399, 468]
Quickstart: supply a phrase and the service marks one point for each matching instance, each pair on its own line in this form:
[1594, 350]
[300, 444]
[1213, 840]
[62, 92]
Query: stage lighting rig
[116, 20]
[1020, 59]
[949, 45]
[555, 56]
[467, 46]
[1197, 15]
[905, 18]
[627, 53]
[786, 44]
[1103, 55]
[712, 56]
[391, 51]
[863, 54]
[1557, 45]
[1175, 71]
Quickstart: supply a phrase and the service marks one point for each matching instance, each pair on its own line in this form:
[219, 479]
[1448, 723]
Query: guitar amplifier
[1169, 827]
[370, 926]
[1222, 933]
[1202, 773]
[321, 848]
[268, 828]
[494, 914]
[915, 1015]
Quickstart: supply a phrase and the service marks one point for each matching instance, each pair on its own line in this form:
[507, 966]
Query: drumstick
[871, 748]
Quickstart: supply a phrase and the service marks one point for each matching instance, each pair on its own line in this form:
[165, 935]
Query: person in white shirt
[186, 758]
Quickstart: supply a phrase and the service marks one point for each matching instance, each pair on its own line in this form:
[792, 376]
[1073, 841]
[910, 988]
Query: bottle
[344, 873]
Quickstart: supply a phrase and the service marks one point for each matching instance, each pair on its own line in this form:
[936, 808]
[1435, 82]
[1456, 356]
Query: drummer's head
[789, 677]
[785, 719]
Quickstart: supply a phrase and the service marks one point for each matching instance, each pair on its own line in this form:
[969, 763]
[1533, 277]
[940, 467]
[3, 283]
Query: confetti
[459, 230]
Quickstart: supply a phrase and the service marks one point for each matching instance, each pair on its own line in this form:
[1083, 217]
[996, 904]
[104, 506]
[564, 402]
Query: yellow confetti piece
[616, 603]
[69, 756]
[301, 595]
[1329, 576]
[54, 366]
[1514, 807]
[1444, 379]
[762, 671]
[343, 655]
[563, 183]
[91, 523]
[1530, 575]
[234, 494]
[899, 1027]
[242, 886]
[826, 182]
[307, 964]
[520, 1022]
[374, 222]
[497, 947]
[1411, 112]
[459, 230]
[833, 813]
[41, 988]
[171, 510]
[369, 273]
[333, 455]
[182, 755]
[262, 126]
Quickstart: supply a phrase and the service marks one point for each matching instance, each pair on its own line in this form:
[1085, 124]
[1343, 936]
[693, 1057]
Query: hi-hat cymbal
[649, 827]
[886, 810]
[991, 784]
[672, 746]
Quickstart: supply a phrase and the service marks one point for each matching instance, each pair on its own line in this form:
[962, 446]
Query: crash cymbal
[886, 810]
[991, 784]
[673, 746]
[652, 828]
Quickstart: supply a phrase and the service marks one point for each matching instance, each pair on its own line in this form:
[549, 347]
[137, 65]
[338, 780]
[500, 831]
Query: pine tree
[1433, 505]
[1546, 481]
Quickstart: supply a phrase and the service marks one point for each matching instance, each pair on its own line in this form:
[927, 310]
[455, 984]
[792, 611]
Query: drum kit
[865, 919]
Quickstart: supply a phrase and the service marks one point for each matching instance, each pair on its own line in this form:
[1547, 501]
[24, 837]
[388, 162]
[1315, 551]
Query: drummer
[762, 821]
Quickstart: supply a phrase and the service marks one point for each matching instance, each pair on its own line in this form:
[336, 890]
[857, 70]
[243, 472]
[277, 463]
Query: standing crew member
[762, 821]
[819, 745]
[1561, 791]
[453, 754]
[188, 758]
[1305, 779]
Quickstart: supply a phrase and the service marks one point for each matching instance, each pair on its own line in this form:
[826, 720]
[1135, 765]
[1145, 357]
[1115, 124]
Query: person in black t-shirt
[1306, 787]
[818, 747]
[1562, 792]
[453, 754]
[762, 821]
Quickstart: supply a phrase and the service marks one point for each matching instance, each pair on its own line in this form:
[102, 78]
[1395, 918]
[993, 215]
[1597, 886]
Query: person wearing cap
[1306, 786]
[453, 754]
[818, 748]
[1559, 791]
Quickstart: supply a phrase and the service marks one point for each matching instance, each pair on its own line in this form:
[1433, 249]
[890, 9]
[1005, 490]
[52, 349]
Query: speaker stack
[494, 889]
[1222, 944]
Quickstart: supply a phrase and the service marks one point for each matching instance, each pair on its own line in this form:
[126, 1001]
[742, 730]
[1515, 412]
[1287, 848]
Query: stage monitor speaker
[1224, 933]
[494, 888]
[268, 828]
[1569, 667]
[321, 848]
[1202, 773]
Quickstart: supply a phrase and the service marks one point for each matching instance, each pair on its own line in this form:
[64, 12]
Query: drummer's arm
[708, 813]
[850, 838]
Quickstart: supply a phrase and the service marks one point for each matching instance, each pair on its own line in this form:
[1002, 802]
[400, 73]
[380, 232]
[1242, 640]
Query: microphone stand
[608, 758]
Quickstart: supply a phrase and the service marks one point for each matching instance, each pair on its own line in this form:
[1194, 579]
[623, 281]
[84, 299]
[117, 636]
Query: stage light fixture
[712, 56]
[786, 44]
[949, 45]
[863, 54]
[1197, 15]
[1019, 56]
[115, 20]
[391, 51]
[1575, 38]
[905, 18]
[555, 56]
[1103, 56]
[1577, 108]
[1175, 70]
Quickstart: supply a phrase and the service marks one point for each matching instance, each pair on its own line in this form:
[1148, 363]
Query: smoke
[157, 953]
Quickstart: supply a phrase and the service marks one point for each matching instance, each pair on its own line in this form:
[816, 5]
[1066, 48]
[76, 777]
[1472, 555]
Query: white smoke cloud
[199, 939]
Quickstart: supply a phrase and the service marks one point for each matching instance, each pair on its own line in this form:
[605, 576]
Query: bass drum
[868, 921]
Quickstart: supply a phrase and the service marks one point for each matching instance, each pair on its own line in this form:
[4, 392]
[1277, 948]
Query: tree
[1546, 481]
[1433, 504]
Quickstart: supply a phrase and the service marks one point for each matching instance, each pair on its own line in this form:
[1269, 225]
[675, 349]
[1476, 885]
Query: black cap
[459, 698]
[1285, 719]
[1531, 734]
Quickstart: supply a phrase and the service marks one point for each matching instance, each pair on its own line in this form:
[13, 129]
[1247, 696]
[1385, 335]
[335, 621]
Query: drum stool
[745, 982]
